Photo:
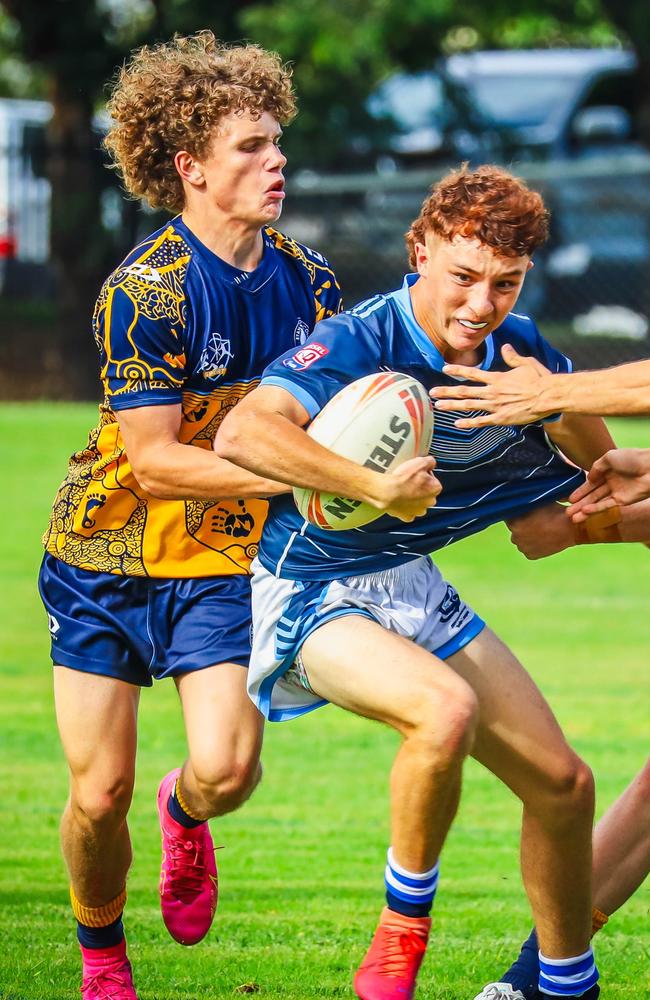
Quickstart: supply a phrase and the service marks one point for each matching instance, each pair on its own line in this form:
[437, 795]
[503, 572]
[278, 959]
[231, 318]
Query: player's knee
[228, 786]
[445, 722]
[570, 787]
[102, 803]
[577, 784]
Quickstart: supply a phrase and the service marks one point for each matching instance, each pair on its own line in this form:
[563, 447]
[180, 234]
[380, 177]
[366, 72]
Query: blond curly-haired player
[146, 570]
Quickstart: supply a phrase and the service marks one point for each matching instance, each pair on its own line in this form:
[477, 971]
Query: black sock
[408, 909]
[176, 811]
[101, 937]
[524, 973]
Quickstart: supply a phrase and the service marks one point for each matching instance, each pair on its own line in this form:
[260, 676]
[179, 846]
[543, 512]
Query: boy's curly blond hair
[173, 96]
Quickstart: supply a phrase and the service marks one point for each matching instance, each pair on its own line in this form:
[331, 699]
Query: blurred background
[390, 96]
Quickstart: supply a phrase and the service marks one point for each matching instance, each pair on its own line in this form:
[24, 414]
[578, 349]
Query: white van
[24, 196]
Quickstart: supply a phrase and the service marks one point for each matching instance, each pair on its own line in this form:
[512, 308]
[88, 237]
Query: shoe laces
[500, 991]
[187, 869]
[400, 948]
[109, 984]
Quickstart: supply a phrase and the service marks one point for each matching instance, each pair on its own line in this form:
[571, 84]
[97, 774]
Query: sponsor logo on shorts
[53, 625]
[450, 607]
[305, 357]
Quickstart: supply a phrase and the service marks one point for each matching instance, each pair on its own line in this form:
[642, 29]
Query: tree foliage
[66, 50]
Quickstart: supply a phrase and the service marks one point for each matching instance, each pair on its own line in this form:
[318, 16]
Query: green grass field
[301, 872]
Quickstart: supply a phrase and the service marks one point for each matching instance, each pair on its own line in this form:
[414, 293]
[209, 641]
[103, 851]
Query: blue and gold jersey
[176, 324]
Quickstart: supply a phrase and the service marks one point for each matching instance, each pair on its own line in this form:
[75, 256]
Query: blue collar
[402, 299]
[250, 281]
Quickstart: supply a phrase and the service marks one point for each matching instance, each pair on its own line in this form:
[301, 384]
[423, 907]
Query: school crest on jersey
[301, 332]
[215, 357]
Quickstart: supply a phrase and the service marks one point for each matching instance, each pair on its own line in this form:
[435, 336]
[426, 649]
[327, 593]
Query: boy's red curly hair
[488, 204]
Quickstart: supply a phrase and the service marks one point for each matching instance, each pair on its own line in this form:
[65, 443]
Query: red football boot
[390, 968]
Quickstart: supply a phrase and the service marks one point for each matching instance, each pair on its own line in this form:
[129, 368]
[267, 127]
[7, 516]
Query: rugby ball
[380, 421]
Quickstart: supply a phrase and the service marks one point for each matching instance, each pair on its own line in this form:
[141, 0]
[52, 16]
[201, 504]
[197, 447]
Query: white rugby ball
[380, 421]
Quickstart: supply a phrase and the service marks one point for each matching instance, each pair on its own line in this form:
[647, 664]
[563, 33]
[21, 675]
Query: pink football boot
[107, 974]
[188, 875]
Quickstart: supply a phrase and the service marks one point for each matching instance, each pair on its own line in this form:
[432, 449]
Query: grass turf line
[301, 872]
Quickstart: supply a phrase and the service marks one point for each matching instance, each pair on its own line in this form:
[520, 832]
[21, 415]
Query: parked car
[565, 118]
[534, 104]
[24, 196]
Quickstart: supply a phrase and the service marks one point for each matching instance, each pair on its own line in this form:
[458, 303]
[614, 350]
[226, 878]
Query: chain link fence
[590, 288]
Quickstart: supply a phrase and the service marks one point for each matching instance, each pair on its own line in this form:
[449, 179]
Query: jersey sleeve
[532, 343]
[551, 358]
[523, 334]
[327, 293]
[340, 350]
[139, 326]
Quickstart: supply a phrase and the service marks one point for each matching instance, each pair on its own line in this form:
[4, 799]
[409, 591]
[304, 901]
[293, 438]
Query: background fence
[590, 287]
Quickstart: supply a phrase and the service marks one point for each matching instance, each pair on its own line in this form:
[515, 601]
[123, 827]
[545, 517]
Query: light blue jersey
[487, 475]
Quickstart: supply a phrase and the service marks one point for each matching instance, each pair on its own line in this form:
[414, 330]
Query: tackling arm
[548, 530]
[170, 470]
[529, 392]
[619, 477]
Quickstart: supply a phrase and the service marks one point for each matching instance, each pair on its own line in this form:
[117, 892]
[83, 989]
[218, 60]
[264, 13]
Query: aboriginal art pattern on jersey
[176, 326]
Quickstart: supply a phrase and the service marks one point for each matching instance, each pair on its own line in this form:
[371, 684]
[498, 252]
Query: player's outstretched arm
[530, 392]
[264, 433]
[549, 529]
[170, 470]
[543, 532]
[514, 397]
[620, 477]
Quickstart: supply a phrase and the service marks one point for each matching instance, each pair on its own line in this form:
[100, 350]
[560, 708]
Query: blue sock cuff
[410, 893]
[567, 977]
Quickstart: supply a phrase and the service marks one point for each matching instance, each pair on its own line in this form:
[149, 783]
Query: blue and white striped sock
[567, 977]
[410, 893]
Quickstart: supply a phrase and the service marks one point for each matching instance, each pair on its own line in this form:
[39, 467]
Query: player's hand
[411, 489]
[619, 478]
[507, 397]
[543, 532]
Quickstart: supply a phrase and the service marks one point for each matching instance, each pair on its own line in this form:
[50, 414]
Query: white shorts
[411, 600]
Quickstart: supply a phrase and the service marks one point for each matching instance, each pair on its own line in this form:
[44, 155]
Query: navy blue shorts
[136, 628]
